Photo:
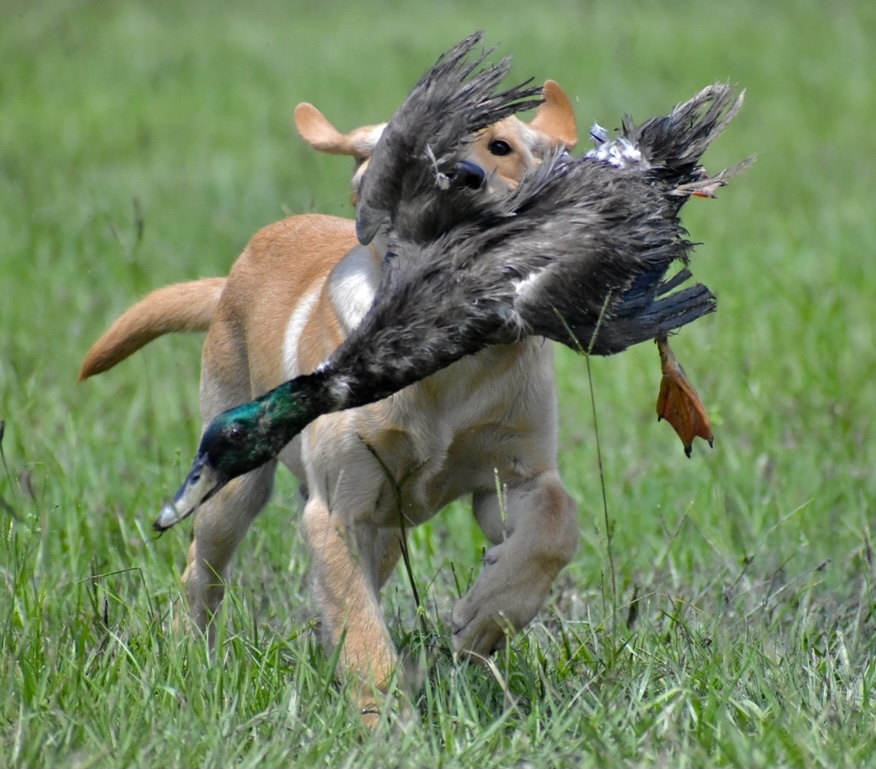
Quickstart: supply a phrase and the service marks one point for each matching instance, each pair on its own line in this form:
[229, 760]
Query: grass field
[725, 618]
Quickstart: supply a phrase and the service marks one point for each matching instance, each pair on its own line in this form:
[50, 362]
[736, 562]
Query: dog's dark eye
[499, 147]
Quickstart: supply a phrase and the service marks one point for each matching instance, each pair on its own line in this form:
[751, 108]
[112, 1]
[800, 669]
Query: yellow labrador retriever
[293, 295]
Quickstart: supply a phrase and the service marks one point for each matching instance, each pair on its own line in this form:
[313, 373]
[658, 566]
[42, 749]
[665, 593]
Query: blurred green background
[144, 143]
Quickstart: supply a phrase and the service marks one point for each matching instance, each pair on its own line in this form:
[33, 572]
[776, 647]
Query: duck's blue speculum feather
[579, 253]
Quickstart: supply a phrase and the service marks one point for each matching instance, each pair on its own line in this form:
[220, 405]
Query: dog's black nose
[468, 176]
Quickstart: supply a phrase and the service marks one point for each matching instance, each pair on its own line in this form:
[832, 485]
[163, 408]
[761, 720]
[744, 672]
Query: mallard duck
[578, 253]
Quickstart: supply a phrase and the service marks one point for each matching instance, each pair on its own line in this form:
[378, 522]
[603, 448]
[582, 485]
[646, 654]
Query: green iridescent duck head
[229, 447]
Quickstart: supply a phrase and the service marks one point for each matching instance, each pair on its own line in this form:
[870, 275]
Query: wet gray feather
[580, 253]
[424, 139]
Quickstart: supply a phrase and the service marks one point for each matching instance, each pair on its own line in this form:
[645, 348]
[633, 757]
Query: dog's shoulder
[298, 242]
[353, 284]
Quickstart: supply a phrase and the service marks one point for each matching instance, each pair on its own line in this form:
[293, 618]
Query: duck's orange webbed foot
[678, 402]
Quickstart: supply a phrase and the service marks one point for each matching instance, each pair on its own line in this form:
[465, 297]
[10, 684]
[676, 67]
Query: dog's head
[508, 149]
[503, 152]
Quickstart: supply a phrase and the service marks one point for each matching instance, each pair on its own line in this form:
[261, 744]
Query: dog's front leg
[536, 530]
[220, 525]
[351, 561]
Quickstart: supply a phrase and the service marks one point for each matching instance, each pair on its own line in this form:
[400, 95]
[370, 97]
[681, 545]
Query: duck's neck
[270, 422]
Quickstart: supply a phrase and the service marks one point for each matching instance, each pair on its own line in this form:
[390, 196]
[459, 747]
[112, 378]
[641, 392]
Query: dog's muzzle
[467, 176]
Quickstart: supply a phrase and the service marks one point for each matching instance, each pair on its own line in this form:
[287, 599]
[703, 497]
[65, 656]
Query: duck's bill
[202, 483]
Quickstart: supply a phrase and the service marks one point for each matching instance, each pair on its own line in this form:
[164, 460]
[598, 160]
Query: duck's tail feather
[640, 313]
[678, 141]
[668, 309]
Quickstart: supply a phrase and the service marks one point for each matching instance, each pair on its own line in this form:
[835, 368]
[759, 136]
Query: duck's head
[229, 447]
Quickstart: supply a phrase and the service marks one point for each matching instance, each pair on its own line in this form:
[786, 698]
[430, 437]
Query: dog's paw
[505, 598]
[394, 709]
[370, 715]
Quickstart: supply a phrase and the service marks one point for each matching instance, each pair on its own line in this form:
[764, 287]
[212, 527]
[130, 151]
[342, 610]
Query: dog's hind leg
[535, 528]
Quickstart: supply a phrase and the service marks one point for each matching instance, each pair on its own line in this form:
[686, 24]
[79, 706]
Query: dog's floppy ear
[320, 134]
[556, 117]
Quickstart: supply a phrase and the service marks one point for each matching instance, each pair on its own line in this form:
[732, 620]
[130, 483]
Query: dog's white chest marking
[446, 436]
[353, 285]
[294, 328]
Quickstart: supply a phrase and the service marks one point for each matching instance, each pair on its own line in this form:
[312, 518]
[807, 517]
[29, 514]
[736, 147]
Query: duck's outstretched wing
[582, 252]
[579, 253]
[419, 149]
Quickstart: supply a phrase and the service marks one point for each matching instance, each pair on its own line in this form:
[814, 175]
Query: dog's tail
[177, 308]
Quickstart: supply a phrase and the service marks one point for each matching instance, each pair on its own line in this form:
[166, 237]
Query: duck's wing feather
[580, 253]
[420, 146]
